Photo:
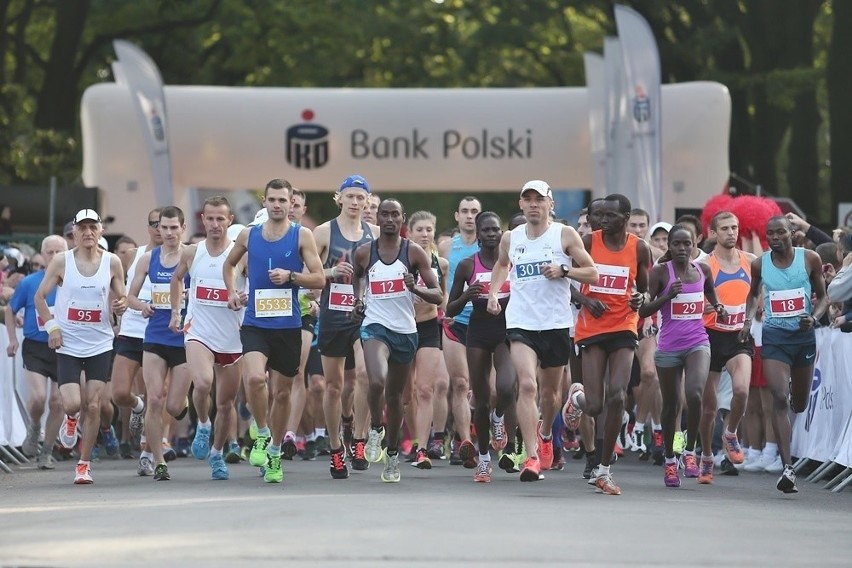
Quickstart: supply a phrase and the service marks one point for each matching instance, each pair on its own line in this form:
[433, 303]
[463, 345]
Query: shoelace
[337, 460]
[483, 468]
[671, 470]
[658, 438]
[360, 449]
[689, 461]
[71, 427]
[499, 428]
[734, 443]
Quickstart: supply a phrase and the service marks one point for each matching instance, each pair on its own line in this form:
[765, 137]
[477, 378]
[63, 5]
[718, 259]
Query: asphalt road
[432, 518]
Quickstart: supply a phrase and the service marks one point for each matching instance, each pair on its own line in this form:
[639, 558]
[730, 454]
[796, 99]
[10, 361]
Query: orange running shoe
[83, 474]
[421, 460]
[467, 453]
[705, 475]
[531, 470]
[606, 485]
[545, 449]
[483, 472]
[733, 449]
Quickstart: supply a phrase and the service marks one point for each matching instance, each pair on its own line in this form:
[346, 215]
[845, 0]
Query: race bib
[273, 303]
[528, 269]
[85, 313]
[40, 322]
[211, 292]
[612, 280]
[735, 319]
[787, 303]
[388, 288]
[341, 297]
[688, 306]
[420, 281]
[161, 296]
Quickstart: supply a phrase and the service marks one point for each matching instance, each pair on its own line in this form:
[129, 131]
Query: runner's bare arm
[459, 296]
[52, 278]
[136, 286]
[814, 265]
[657, 281]
[499, 273]
[229, 267]
[753, 298]
[119, 290]
[421, 262]
[176, 284]
[314, 277]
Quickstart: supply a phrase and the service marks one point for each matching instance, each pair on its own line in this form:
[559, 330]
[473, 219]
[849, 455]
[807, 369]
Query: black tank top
[340, 249]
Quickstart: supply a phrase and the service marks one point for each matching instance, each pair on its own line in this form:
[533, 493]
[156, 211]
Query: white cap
[667, 227]
[234, 230]
[538, 186]
[262, 216]
[14, 254]
[102, 242]
[86, 215]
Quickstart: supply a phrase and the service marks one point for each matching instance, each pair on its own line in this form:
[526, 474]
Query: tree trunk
[839, 75]
[57, 99]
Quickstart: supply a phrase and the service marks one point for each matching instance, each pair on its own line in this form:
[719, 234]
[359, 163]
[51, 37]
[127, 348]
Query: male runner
[390, 265]
[538, 315]
[81, 330]
[278, 251]
[788, 277]
[338, 333]
[211, 331]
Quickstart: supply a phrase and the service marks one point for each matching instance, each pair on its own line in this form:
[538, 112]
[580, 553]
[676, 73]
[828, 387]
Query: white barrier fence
[13, 429]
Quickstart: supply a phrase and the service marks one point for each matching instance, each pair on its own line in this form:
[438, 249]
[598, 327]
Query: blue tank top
[787, 291]
[157, 331]
[24, 297]
[340, 249]
[273, 306]
[458, 252]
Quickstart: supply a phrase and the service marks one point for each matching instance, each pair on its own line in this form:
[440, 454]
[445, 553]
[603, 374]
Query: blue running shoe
[218, 467]
[232, 454]
[109, 440]
[201, 443]
[96, 454]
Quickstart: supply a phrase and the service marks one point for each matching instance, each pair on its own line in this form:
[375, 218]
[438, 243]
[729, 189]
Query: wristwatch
[565, 270]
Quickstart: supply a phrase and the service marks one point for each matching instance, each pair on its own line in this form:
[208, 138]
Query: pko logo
[307, 144]
[814, 396]
[641, 106]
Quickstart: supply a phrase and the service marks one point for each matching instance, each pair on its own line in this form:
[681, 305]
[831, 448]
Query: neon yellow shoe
[274, 473]
[679, 443]
[253, 429]
[258, 455]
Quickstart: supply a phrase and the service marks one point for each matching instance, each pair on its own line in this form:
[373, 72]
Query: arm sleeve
[817, 237]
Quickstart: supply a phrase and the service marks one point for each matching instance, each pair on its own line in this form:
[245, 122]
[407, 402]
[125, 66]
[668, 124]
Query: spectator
[5, 220]
[840, 289]
[68, 232]
[809, 232]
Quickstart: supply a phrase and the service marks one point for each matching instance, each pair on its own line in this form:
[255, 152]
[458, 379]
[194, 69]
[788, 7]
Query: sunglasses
[154, 224]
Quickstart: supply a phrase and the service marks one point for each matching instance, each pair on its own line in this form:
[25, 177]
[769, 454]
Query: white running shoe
[775, 467]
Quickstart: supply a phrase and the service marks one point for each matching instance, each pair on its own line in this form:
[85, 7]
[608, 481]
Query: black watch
[565, 270]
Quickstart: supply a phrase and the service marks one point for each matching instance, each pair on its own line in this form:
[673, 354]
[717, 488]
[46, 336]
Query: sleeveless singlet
[132, 322]
[157, 331]
[732, 289]
[388, 302]
[209, 320]
[682, 325]
[787, 291]
[480, 303]
[337, 298]
[458, 252]
[272, 306]
[82, 309]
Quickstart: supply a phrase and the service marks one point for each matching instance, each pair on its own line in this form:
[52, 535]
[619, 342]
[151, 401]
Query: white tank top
[82, 309]
[132, 322]
[387, 300]
[536, 303]
[209, 320]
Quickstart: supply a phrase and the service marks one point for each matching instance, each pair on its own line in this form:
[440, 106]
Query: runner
[39, 359]
[388, 266]
[81, 330]
[731, 270]
[338, 334]
[431, 382]
[371, 209]
[164, 368]
[271, 333]
[538, 314]
[211, 331]
[788, 277]
[461, 246]
[606, 327]
[678, 287]
[487, 350]
[127, 363]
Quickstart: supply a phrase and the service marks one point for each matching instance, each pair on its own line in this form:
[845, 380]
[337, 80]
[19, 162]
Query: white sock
[770, 450]
[215, 452]
[486, 457]
[603, 469]
[729, 434]
[656, 425]
[148, 455]
[206, 425]
[140, 405]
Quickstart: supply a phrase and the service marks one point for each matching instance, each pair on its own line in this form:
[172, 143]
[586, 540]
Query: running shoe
[467, 454]
[252, 430]
[705, 474]
[483, 472]
[760, 464]
[137, 423]
[787, 481]
[776, 466]
[657, 447]
[310, 452]
[545, 449]
[690, 466]
[727, 468]
[558, 464]
[670, 475]
[83, 474]
[436, 449]
[30, 445]
[68, 432]
[733, 449]
[508, 462]
[571, 413]
[96, 452]
[201, 443]
[183, 447]
[359, 459]
[338, 467]
[679, 443]
[45, 461]
[218, 469]
[638, 442]
[109, 440]
[169, 453]
[348, 433]
[625, 438]
[274, 473]
[257, 458]
[323, 448]
[232, 453]
[373, 451]
[146, 467]
[421, 459]
[391, 471]
[531, 470]
[592, 464]
[606, 485]
[454, 452]
[180, 415]
[288, 446]
[161, 472]
[498, 432]
[125, 451]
